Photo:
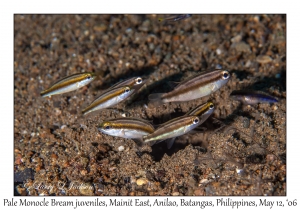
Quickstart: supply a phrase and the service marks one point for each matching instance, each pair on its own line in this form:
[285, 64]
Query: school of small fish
[198, 86]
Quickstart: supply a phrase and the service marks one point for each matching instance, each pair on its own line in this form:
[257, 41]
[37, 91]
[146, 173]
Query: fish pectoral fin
[122, 131]
[170, 142]
[185, 129]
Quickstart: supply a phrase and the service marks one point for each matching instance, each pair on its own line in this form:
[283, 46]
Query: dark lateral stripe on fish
[106, 96]
[201, 82]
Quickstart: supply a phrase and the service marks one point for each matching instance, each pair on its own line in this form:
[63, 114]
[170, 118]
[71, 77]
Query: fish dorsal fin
[173, 84]
[163, 124]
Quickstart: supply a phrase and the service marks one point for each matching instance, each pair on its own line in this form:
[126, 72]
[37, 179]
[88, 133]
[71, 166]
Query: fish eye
[211, 106]
[89, 77]
[127, 90]
[225, 75]
[107, 127]
[139, 80]
[196, 120]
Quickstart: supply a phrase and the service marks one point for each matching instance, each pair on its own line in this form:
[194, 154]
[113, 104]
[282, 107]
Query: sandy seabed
[241, 149]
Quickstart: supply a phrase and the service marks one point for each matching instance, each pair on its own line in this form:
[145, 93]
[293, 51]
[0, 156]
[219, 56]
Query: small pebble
[218, 66]
[236, 39]
[203, 181]
[246, 122]
[63, 126]
[175, 193]
[21, 190]
[128, 31]
[256, 18]
[141, 181]
[86, 189]
[199, 192]
[121, 148]
[248, 64]
[241, 47]
[263, 59]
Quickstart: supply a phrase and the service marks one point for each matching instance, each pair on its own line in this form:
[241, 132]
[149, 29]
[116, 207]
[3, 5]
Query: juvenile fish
[173, 128]
[131, 128]
[251, 97]
[69, 83]
[108, 99]
[203, 111]
[196, 87]
[174, 18]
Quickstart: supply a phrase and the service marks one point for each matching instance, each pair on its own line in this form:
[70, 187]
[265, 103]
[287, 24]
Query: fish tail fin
[155, 99]
[44, 93]
[85, 111]
[141, 142]
[98, 75]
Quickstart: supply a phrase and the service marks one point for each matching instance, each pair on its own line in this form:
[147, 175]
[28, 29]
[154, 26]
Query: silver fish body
[251, 97]
[130, 128]
[199, 86]
[108, 99]
[69, 83]
[173, 128]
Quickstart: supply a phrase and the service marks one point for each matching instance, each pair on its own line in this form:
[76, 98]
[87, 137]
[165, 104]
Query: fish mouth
[101, 129]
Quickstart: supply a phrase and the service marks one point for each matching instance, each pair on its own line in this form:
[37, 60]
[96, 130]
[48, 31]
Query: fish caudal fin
[155, 99]
[45, 93]
[86, 111]
[141, 142]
